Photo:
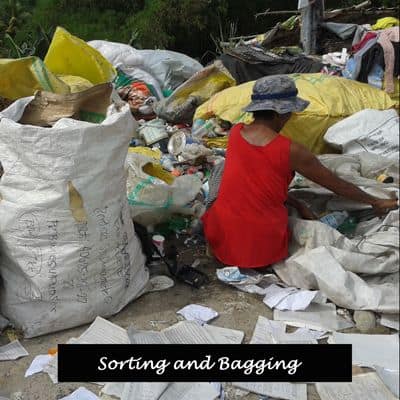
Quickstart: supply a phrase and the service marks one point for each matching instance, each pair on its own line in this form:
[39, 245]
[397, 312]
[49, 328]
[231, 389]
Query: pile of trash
[100, 134]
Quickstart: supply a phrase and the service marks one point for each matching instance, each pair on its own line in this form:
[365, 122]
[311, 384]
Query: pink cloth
[386, 37]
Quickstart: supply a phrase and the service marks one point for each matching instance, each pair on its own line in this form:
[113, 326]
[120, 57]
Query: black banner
[204, 363]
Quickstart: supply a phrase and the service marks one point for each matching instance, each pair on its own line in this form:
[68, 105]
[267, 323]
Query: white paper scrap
[371, 350]
[187, 332]
[198, 313]
[224, 335]
[390, 378]
[298, 300]
[81, 394]
[190, 391]
[319, 317]
[289, 298]
[364, 386]
[274, 332]
[143, 390]
[280, 390]
[52, 367]
[266, 331]
[114, 389]
[102, 331]
[260, 286]
[390, 320]
[275, 294]
[12, 351]
[38, 364]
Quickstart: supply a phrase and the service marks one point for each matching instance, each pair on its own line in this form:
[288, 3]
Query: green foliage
[189, 26]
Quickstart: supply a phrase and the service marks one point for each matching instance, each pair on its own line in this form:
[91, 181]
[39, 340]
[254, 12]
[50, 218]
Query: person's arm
[303, 210]
[305, 163]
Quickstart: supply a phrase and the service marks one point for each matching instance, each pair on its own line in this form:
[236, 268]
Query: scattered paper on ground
[390, 320]
[280, 390]
[143, 390]
[267, 332]
[81, 394]
[320, 317]
[274, 332]
[12, 351]
[371, 350]
[364, 387]
[190, 391]
[38, 364]
[288, 298]
[114, 389]
[248, 280]
[198, 313]
[186, 332]
[102, 331]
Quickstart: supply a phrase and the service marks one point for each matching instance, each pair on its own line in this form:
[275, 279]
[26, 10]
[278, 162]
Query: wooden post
[311, 17]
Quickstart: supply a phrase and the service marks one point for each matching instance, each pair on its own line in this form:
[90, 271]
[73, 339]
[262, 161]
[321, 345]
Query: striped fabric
[214, 182]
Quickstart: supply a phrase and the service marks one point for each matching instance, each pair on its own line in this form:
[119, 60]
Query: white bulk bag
[372, 131]
[68, 248]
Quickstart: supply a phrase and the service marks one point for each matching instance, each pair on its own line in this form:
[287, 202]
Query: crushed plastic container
[335, 219]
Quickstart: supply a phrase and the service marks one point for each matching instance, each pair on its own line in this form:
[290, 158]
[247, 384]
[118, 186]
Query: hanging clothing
[386, 37]
[247, 225]
[369, 59]
[356, 65]
[368, 36]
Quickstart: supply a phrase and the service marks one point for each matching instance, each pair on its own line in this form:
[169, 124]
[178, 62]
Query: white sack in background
[68, 247]
[128, 60]
[372, 131]
[169, 68]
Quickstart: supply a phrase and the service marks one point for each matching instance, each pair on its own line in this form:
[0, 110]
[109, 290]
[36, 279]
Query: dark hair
[264, 114]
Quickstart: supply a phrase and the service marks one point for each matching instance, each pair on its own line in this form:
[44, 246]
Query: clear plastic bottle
[204, 129]
[335, 219]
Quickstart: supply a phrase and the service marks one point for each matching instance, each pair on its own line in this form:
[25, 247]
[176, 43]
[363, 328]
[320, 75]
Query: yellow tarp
[331, 99]
[22, 77]
[75, 83]
[69, 55]
[146, 151]
[385, 23]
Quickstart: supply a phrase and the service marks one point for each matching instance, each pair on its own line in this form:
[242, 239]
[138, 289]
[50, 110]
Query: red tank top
[247, 226]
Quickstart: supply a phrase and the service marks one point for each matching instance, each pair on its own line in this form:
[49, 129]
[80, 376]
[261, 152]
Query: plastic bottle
[348, 226]
[335, 219]
[202, 130]
[167, 163]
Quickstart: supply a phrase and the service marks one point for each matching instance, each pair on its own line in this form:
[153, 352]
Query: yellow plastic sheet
[385, 23]
[331, 100]
[22, 77]
[220, 142]
[146, 151]
[69, 55]
[201, 86]
[159, 172]
[75, 83]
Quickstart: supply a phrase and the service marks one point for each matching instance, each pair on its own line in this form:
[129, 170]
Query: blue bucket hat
[277, 93]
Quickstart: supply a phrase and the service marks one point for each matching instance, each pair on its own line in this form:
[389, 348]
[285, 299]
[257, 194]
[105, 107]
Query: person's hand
[305, 212]
[383, 206]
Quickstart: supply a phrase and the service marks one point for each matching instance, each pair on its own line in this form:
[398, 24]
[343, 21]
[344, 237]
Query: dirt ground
[156, 311]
